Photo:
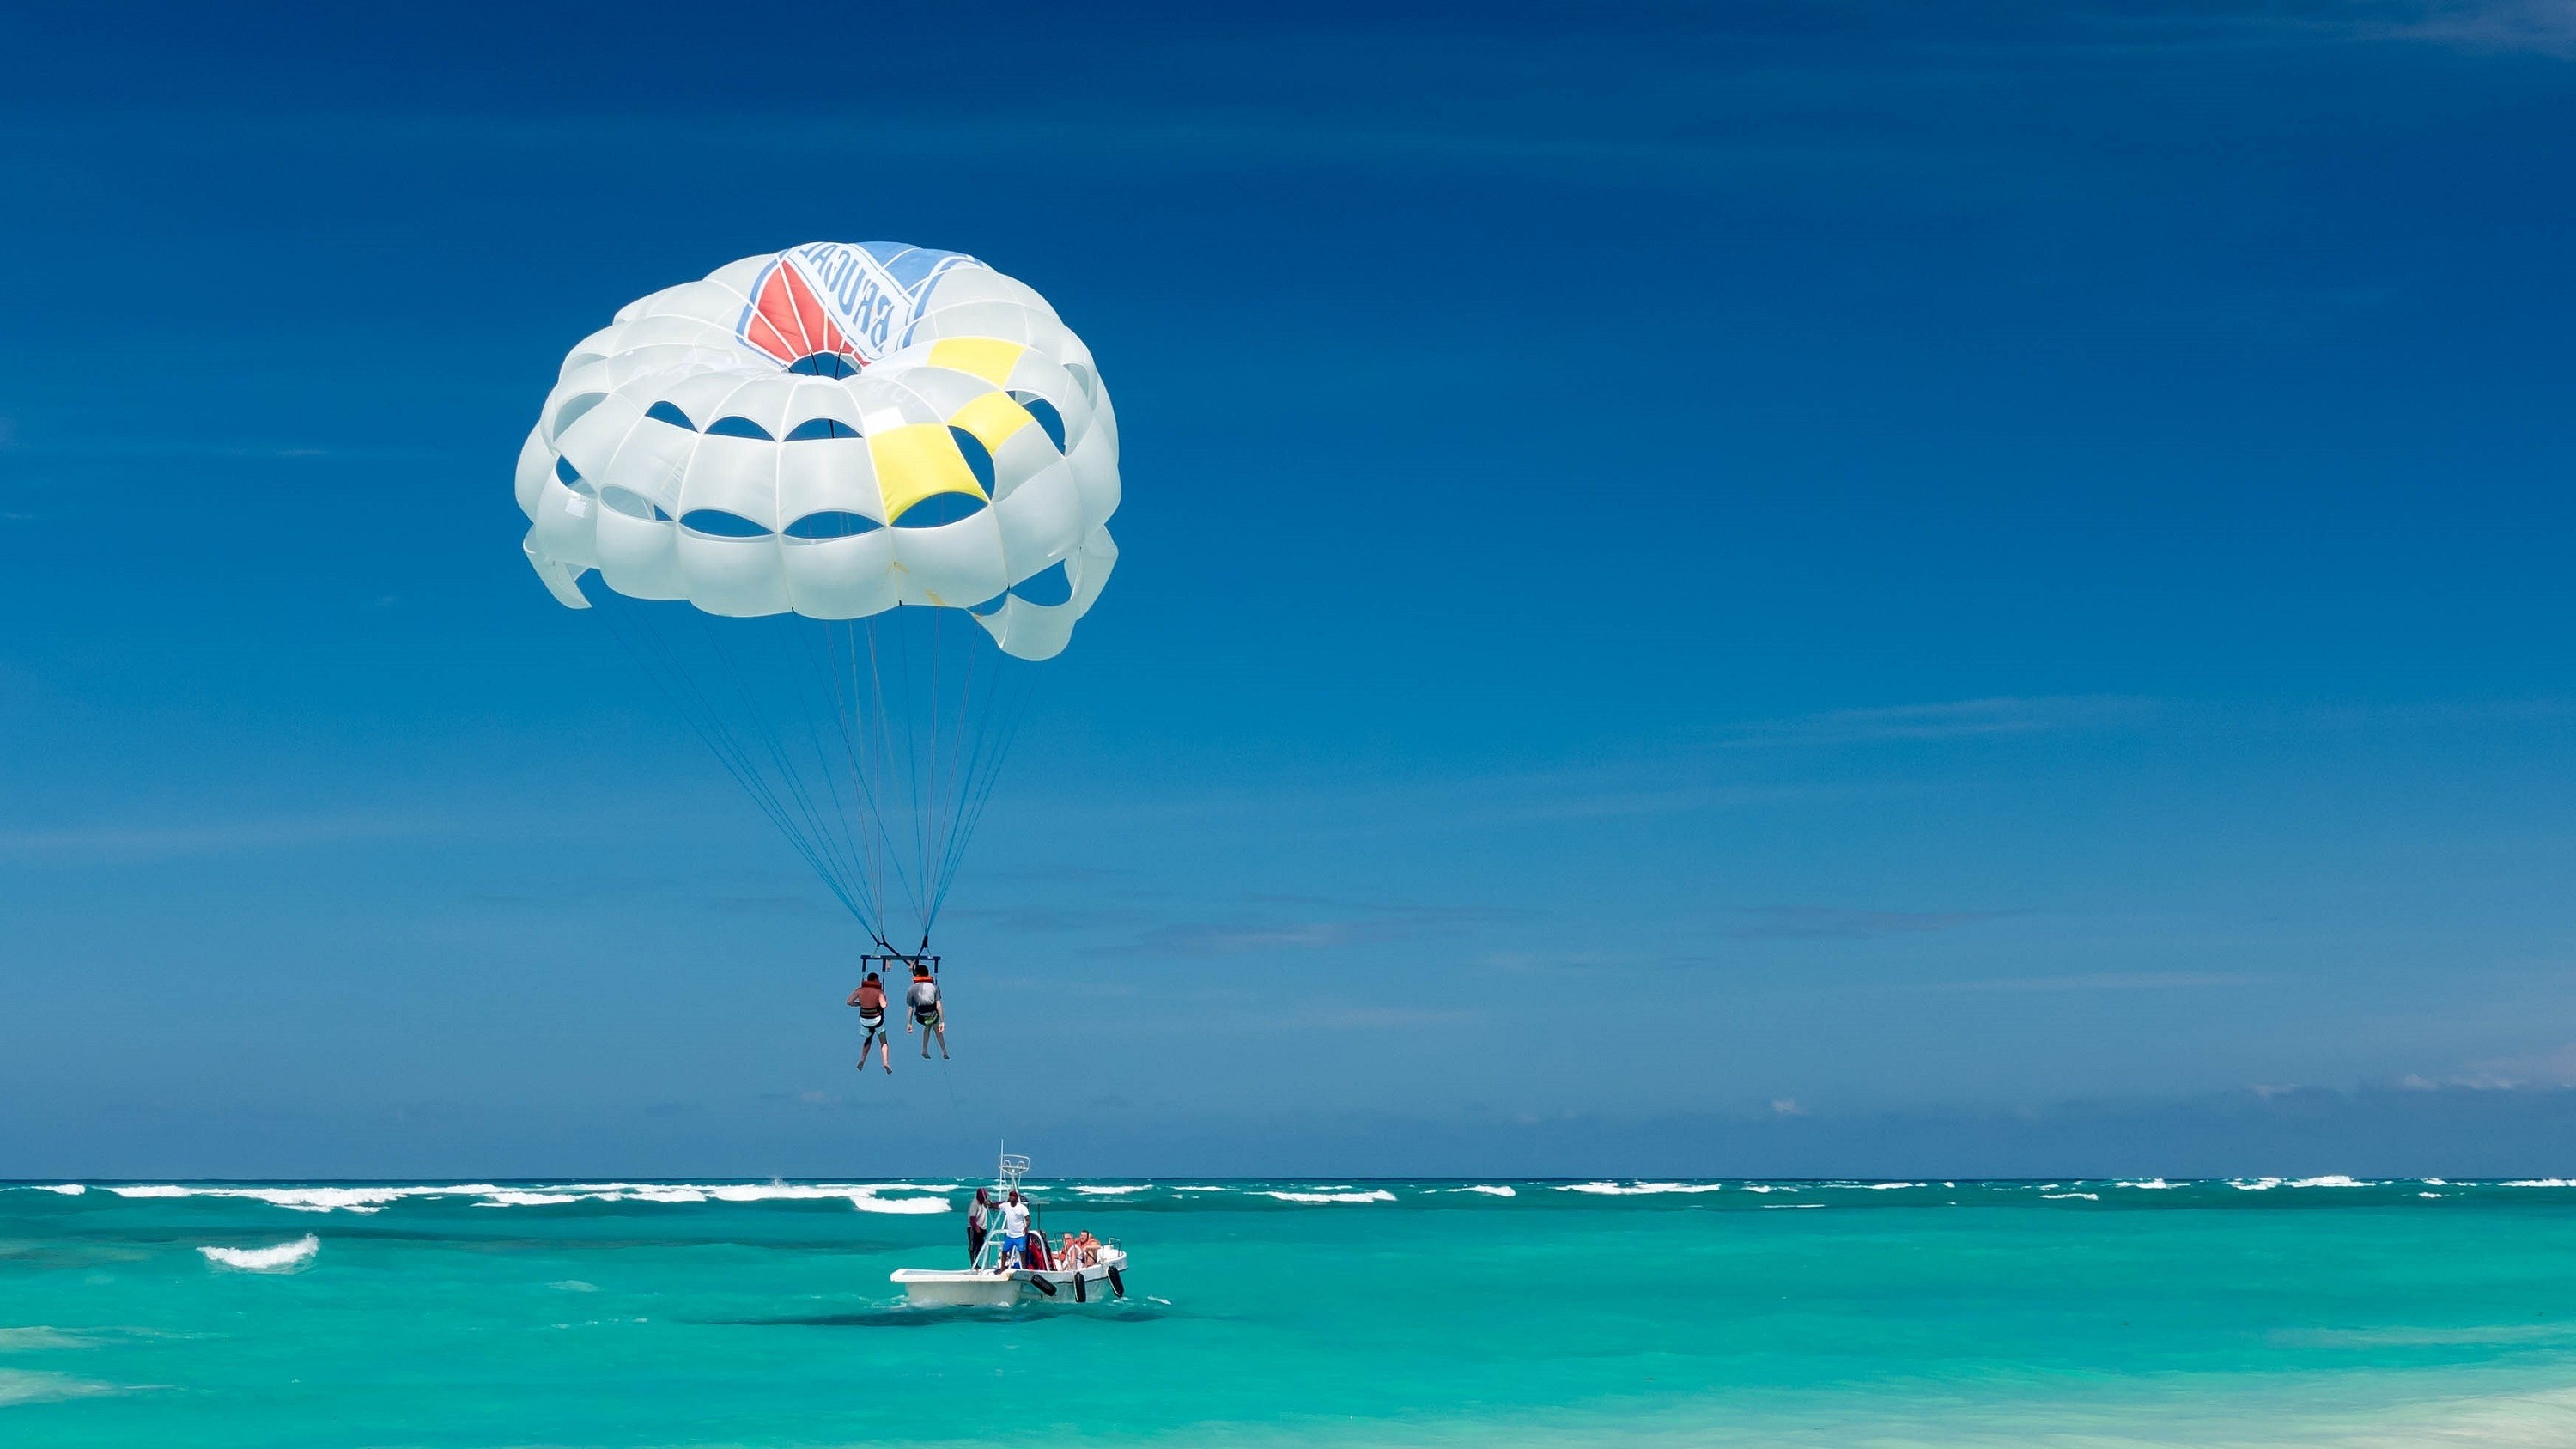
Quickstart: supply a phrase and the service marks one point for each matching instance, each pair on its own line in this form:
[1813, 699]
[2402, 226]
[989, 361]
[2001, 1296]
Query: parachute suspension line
[934, 847]
[886, 780]
[849, 720]
[832, 748]
[897, 652]
[774, 742]
[921, 828]
[842, 637]
[812, 840]
[869, 752]
[980, 767]
[659, 661]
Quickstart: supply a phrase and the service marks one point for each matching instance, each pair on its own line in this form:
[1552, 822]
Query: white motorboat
[989, 1282]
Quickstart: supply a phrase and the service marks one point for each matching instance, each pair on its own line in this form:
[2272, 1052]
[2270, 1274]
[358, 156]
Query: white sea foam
[810, 1191]
[2434, 1195]
[21, 1386]
[327, 1199]
[67, 1189]
[1633, 1189]
[1770, 1205]
[1089, 1191]
[1766, 1187]
[2540, 1182]
[2063, 1196]
[1373, 1195]
[304, 1199]
[2332, 1179]
[2259, 1184]
[1488, 1190]
[369, 1199]
[281, 1258]
[2153, 1184]
[13, 1340]
[1202, 1187]
[776, 1192]
[869, 1202]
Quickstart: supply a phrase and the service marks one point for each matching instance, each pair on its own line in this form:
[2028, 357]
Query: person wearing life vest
[871, 1001]
[923, 998]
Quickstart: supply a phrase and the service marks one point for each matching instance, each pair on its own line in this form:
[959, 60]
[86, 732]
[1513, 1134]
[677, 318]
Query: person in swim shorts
[923, 998]
[871, 1001]
[1015, 1231]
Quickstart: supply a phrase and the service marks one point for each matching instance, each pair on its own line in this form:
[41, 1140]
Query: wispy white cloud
[127, 841]
[1945, 720]
[1796, 923]
[2542, 1069]
[1330, 927]
[2096, 981]
[2539, 27]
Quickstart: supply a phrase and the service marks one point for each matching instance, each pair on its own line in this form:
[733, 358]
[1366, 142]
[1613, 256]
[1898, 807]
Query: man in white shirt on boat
[1015, 1231]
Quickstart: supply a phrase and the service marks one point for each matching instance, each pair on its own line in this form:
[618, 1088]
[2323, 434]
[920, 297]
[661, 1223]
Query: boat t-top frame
[1006, 1180]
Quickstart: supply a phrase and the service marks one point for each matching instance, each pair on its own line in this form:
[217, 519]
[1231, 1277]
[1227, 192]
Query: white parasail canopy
[833, 430]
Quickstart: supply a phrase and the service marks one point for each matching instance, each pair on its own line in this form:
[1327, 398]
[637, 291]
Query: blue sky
[1735, 589]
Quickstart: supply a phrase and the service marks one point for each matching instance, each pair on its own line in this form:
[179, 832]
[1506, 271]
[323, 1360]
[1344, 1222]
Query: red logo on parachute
[788, 320]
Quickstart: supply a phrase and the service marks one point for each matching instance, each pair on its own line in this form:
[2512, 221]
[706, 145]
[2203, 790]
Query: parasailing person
[923, 999]
[842, 501]
[870, 999]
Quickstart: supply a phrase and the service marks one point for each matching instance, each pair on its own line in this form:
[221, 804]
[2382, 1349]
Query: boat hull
[967, 1288]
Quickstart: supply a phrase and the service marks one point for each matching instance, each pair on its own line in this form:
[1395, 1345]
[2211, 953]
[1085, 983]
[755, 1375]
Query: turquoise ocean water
[2250, 1312]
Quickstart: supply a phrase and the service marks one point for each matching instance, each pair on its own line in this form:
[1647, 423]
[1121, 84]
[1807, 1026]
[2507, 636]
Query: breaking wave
[282, 1258]
[866, 1197]
[929, 1198]
[1634, 1189]
[867, 1203]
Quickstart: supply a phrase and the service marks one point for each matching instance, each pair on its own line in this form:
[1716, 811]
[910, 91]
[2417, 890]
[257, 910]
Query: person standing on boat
[977, 1225]
[1015, 1231]
[923, 998]
[871, 1002]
